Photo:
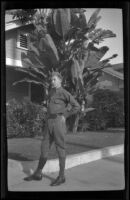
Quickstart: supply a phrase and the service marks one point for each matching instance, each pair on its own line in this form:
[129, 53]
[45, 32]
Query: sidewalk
[104, 174]
[18, 170]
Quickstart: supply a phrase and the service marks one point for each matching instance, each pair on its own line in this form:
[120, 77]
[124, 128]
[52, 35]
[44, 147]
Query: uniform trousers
[55, 131]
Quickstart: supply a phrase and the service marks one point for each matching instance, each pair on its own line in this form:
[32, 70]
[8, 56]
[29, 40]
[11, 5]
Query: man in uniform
[55, 129]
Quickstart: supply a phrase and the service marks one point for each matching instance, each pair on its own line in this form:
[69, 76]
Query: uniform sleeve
[75, 107]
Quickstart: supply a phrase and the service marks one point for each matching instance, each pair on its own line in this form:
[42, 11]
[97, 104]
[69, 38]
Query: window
[22, 40]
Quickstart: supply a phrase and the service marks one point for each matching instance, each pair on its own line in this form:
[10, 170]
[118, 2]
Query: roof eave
[12, 25]
[119, 76]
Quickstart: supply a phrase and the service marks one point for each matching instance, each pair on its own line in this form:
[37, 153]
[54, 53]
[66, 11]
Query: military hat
[56, 74]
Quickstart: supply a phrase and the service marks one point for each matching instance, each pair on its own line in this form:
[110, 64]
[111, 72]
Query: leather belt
[54, 116]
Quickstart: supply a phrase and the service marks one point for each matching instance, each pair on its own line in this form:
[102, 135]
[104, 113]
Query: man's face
[56, 82]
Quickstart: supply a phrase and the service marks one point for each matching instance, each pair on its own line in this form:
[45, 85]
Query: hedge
[27, 119]
[24, 119]
[109, 110]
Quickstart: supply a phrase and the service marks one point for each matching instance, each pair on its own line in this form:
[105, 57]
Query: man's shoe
[35, 176]
[58, 181]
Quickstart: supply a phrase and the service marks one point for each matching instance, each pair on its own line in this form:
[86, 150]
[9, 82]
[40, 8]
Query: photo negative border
[102, 195]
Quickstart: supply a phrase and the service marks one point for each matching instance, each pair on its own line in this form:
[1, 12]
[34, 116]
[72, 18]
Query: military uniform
[55, 128]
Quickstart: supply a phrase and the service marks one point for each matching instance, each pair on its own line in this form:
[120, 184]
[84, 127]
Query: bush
[24, 119]
[109, 110]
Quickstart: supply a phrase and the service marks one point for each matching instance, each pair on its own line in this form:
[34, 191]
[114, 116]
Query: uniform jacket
[58, 101]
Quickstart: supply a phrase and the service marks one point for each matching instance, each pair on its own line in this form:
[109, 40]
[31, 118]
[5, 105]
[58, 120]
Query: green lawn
[24, 149]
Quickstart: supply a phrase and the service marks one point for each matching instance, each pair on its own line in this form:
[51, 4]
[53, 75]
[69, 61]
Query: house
[16, 44]
[115, 76]
[16, 35]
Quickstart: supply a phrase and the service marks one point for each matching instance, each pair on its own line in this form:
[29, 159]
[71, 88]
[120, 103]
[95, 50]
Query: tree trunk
[76, 124]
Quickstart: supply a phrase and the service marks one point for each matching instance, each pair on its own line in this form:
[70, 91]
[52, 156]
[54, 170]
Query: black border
[111, 195]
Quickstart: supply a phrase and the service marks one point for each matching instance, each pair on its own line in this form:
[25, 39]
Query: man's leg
[45, 146]
[37, 175]
[59, 137]
[62, 166]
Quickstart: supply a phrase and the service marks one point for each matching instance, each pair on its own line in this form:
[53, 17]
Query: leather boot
[38, 173]
[58, 181]
[61, 178]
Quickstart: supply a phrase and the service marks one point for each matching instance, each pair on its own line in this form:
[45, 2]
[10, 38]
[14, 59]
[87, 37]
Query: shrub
[109, 110]
[24, 119]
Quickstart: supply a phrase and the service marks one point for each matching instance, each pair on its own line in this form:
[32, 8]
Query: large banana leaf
[78, 18]
[74, 20]
[98, 35]
[61, 18]
[49, 59]
[77, 75]
[92, 74]
[46, 59]
[93, 19]
[95, 55]
[31, 60]
[82, 20]
[74, 71]
[26, 71]
[91, 80]
[40, 63]
[93, 26]
[34, 49]
[26, 62]
[103, 64]
[46, 43]
[37, 75]
[68, 14]
[34, 68]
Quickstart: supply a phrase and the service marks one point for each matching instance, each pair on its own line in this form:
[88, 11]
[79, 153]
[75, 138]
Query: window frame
[18, 39]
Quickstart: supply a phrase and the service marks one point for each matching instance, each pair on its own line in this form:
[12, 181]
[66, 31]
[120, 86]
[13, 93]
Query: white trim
[12, 25]
[12, 62]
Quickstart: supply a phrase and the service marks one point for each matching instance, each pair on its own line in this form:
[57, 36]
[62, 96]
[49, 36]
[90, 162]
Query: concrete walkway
[18, 170]
[104, 174]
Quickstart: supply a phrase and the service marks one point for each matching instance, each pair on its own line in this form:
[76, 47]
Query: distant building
[115, 75]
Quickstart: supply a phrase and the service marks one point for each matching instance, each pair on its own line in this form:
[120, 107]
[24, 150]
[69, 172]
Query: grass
[28, 149]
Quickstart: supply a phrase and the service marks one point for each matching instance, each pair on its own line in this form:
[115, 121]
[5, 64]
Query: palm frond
[31, 81]
[39, 61]
[103, 64]
[25, 70]
[29, 72]
[31, 59]
[34, 49]
[35, 68]
[98, 36]
[93, 18]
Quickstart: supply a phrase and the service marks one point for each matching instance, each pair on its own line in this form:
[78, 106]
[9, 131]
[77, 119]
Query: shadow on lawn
[18, 156]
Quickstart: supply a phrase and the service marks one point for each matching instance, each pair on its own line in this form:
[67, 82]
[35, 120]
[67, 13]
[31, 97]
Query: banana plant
[64, 40]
